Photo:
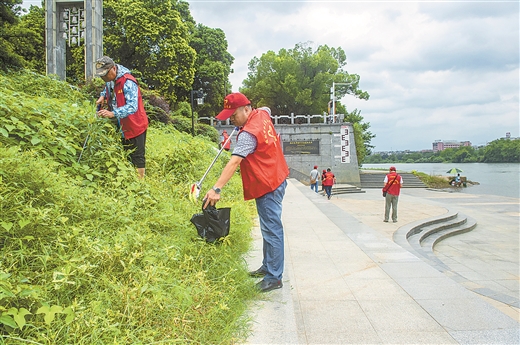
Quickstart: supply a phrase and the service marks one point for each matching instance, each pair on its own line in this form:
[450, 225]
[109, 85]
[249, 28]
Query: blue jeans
[314, 186]
[269, 209]
[328, 190]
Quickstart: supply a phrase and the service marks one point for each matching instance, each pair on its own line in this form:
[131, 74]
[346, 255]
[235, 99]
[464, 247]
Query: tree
[29, 41]
[502, 151]
[363, 137]
[9, 11]
[299, 80]
[212, 68]
[152, 38]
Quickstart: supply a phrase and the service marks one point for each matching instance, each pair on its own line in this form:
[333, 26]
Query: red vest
[395, 188]
[328, 179]
[265, 169]
[134, 124]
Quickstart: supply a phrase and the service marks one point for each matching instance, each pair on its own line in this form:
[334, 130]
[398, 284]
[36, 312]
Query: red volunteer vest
[395, 188]
[134, 124]
[328, 179]
[227, 145]
[265, 169]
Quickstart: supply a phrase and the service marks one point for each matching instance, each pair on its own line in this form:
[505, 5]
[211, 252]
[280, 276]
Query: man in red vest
[258, 151]
[224, 143]
[123, 97]
[328, 181]
[393, 183]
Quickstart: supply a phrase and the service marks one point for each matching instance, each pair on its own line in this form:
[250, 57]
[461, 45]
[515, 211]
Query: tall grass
[89, 254]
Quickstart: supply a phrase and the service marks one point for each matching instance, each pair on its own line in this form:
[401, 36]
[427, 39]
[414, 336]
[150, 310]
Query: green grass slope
[89, 254]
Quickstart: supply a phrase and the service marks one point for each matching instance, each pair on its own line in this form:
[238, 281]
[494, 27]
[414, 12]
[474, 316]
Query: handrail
[284, 120]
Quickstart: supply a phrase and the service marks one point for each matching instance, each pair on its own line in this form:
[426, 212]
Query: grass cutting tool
[195, 187]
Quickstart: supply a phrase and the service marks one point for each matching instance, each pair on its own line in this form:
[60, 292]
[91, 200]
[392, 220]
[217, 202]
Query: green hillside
[89, 254]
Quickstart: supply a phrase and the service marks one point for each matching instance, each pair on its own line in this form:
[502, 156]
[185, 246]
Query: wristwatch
[217, 190]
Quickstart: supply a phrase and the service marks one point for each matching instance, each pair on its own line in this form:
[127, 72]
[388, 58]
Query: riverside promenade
[347, 282]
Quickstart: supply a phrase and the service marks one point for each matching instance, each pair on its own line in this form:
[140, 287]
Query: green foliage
[498, 151]
[502, 151]
[299, 80]
[29, 40]
[213, 66]
[92, 255]
[153, 38]
[362, 135]
[432, 181]
[9, 11]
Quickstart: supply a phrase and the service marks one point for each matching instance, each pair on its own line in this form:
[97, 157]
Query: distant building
[440, 145]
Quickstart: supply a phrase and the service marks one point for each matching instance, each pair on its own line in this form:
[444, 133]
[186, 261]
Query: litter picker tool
[195, 187]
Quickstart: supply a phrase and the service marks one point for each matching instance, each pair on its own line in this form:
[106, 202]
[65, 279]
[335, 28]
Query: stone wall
[325, 147]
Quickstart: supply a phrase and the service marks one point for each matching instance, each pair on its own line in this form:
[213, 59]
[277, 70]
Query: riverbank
[494, 178]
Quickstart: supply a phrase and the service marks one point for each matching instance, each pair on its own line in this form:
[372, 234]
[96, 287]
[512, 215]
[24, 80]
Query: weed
[92, 255]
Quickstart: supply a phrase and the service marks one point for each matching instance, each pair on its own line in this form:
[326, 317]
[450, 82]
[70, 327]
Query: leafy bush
[92, 255]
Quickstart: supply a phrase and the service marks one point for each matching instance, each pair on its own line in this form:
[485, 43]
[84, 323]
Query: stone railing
[285, 120]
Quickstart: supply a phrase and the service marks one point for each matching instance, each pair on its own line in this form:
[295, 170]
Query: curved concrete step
[421, 237]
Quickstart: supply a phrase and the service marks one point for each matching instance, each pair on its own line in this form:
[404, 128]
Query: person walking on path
[393, 183]
[315, 177]
[258, 151]
[123, 97]
[328, 181]
[224, 143]
[322, 178]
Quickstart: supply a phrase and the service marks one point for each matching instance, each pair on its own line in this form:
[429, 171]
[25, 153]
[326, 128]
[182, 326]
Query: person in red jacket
[123, 98]
[258, 151]
[224, 143]
[328, 181]
[393, 183]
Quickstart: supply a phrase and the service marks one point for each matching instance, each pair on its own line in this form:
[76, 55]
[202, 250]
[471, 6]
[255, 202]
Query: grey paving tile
[501, 336]
[332, 289]
[416, 338]
[410, 269]
[467, 314]
[377, 289]
[398, 315]
[337, 322]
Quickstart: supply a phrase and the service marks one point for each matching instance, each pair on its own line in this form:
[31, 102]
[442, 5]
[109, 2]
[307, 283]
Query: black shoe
[258, 273]
[265, 286]
[386, 221]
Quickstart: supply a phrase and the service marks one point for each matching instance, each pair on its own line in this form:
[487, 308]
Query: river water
[494, 178]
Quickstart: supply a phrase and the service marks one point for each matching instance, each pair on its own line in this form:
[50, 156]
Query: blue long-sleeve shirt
[130, 91]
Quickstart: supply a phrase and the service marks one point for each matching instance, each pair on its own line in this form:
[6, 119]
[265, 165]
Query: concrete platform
[347, 282]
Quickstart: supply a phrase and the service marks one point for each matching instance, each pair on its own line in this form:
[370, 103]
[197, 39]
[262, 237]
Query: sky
[435, 70]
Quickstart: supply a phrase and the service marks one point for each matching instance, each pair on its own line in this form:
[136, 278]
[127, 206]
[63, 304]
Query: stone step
[376, 180]
[422, 236]
[343, 189]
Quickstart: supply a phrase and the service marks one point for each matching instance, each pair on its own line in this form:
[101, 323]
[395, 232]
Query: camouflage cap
[103, 65]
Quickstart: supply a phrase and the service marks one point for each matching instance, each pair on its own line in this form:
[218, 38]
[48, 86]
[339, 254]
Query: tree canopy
[153, 38]
[212, 66]
[498, 151]
[9, 12]
[299, 80]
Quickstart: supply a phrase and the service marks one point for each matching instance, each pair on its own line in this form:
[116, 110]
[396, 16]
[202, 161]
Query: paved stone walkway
[347, 282]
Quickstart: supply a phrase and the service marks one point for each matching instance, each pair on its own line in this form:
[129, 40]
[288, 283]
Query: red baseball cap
[315, 167]
[392, 168]
[231, 103]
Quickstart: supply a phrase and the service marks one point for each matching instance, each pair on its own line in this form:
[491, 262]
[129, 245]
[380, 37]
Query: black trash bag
[212, 223]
